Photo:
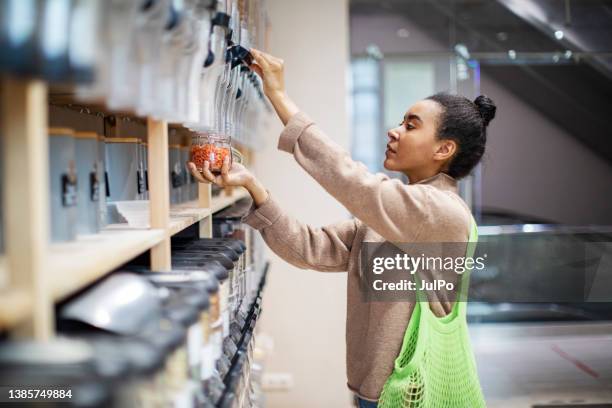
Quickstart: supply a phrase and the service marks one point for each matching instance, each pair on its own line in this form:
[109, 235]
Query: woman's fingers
[206, 172]
[225, 169]
[257, 69]
[196, 174]
[260, 58]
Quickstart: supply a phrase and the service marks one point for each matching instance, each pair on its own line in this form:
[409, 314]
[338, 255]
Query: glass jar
[211, 148]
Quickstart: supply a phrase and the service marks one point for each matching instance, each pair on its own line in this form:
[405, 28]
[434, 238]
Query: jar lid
[233, 243]
[86, 135]
[183, 278]
[218, 249]
[60, 131]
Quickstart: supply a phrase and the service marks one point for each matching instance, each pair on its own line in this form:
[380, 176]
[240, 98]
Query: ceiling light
[559, 35]
[403, 33]
[462, 50]
[568, 54]
[374, 51]
[512, 54]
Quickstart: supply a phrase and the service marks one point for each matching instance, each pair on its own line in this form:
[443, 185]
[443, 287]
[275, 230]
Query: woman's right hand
[272, 73]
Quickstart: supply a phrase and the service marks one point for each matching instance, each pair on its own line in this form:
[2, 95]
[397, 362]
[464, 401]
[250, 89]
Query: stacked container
[102, 182]
[125, 182]
[87, 162]
[63, 184]
[176, 168]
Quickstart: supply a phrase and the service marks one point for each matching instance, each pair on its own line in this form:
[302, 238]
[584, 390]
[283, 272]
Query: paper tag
[207, 359]
[194, 343]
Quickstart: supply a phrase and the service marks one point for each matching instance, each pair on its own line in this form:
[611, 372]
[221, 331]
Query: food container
[144, 362]
[214, 149]
[2, 183]
[122, 161]
[89, 186]
[228, 258]
[144, 150]
[18, 40]
[102, 185]
[235, 250]
[62, 184]
[68, 366]
[53, 30]
[188, 179]
[228, 222]
[202, 279]
[130, 306]
[84, 42]
[220, 327]
[176, 173]
[181, 289]
[183, 386]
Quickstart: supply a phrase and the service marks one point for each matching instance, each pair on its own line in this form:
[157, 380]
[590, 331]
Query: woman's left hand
[237, 175]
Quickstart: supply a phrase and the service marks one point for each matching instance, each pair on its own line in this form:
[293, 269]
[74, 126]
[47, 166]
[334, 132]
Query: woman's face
[413, 147]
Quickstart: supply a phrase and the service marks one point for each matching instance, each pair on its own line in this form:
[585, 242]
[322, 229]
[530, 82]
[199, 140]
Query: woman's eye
[409, 126]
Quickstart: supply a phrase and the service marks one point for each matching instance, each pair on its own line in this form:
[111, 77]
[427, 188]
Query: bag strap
[464, 282]
[464, 287]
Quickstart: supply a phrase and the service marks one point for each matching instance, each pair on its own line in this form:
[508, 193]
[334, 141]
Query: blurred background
[355, 67]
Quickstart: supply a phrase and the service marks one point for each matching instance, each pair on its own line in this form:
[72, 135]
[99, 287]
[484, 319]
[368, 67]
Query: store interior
[125, 278]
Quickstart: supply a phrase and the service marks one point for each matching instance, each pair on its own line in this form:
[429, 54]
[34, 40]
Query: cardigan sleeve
[395, 210]
[324, 249]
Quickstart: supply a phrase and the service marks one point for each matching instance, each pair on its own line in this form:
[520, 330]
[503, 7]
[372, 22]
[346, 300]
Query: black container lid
[232, 255]
[209, 265]
[184, 278]
[203, 258]
[235, 244]
[196, 296]
[176, 309]
[165, 335]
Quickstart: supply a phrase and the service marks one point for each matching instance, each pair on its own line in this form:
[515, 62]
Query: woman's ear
[445, 149]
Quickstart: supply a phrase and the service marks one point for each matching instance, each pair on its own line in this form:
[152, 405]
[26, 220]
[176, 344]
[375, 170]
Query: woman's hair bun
[486, 107]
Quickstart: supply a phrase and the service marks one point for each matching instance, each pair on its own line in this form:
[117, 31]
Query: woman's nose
[392, 135]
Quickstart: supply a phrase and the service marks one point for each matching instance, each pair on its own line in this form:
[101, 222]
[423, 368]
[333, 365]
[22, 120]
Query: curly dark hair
[466, 123]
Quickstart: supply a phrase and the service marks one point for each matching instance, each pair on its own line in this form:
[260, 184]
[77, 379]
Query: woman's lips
[390, 150]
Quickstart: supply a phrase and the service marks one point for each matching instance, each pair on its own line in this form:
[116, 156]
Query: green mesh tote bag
[436, 367]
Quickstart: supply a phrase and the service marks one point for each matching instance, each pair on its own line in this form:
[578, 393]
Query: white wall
[531, 166]
[305, 311]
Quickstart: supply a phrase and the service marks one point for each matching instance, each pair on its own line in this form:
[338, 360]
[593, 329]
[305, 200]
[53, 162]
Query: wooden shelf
[184, 215]
[74, 265]
[221, 201]
[4, 276]
[15, 306]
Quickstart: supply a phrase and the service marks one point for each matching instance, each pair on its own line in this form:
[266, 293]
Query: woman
[439, 140]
